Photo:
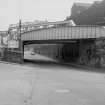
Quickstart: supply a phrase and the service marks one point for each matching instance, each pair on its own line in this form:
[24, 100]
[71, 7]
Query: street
[39, 84]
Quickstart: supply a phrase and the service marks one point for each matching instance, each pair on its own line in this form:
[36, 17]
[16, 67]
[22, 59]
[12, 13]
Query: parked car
[32, 53]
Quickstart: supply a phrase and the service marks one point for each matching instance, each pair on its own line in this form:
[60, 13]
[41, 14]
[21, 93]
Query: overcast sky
[29, 10]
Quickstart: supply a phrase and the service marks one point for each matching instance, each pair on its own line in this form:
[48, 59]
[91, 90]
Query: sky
[29, 10]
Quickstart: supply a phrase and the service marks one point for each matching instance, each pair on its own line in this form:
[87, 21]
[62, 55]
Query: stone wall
[92, 52]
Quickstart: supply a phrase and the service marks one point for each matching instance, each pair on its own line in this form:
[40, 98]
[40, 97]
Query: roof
[83, 4]
[98, 2]
[40, 24]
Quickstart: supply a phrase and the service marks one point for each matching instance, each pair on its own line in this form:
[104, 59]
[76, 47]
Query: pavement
[50, 85]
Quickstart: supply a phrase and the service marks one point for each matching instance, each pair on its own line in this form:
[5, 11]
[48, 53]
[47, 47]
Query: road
[50, 84]
[33, 56]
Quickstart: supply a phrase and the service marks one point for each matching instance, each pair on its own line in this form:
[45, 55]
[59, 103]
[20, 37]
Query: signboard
[0, 40]
[1, 45]
[5, 40]
[13, 44]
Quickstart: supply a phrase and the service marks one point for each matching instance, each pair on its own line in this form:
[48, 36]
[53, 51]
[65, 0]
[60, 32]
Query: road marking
[62, 91]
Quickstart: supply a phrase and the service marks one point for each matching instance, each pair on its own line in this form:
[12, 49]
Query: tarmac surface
[39, 84]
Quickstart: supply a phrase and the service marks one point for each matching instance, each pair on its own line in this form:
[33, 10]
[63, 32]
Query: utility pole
[21, 44]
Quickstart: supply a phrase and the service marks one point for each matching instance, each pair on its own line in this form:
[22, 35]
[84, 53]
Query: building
[88, 14]
[78, 7]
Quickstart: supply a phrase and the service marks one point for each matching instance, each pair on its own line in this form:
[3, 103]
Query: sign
[0, 40]
[5, 40]
[13, 44]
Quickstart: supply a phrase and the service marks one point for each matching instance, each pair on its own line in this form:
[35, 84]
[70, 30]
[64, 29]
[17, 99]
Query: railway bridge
[71, 42]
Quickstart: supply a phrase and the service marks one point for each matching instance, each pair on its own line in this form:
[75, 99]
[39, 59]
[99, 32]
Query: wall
[92, 16]
[92, 53]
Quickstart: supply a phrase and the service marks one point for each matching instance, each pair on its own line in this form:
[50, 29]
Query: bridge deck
[67, 32]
